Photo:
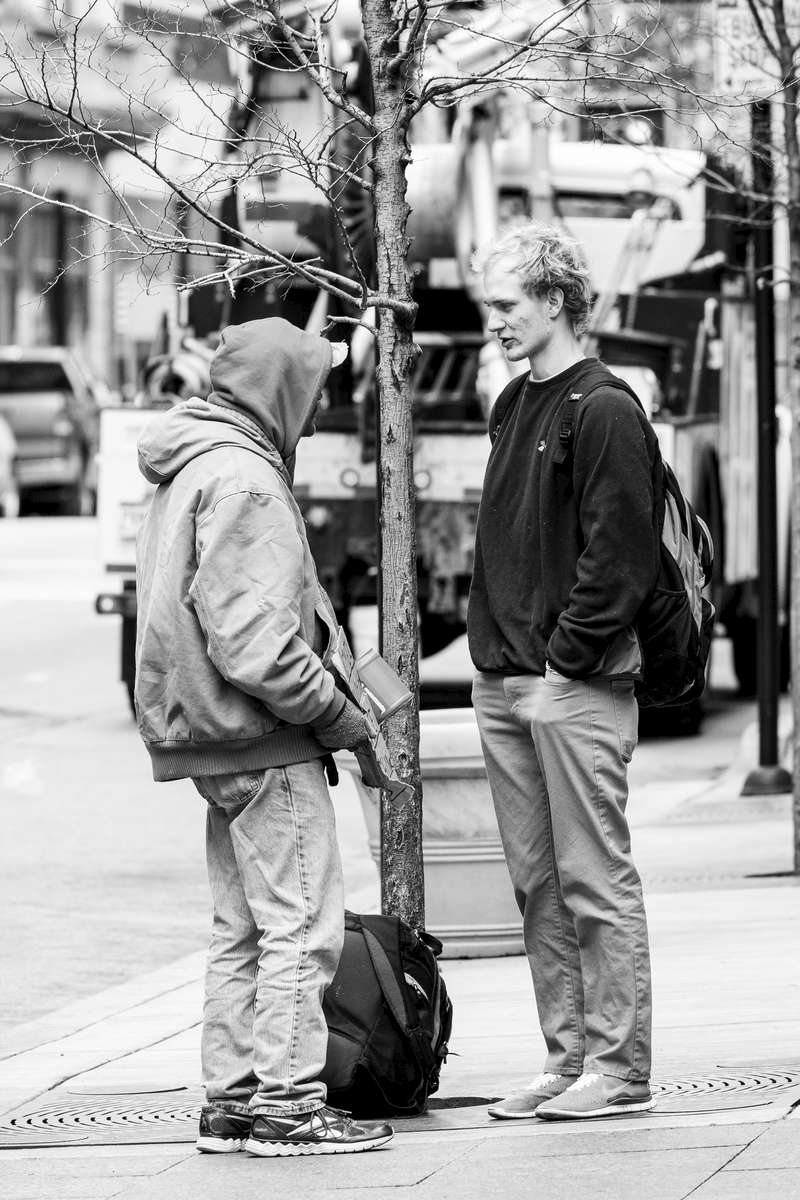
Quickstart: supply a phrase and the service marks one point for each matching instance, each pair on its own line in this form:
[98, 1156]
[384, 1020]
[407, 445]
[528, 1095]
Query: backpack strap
[566, 414]
[394, 997]
[386, 978]
[566, 425]
[510, 393]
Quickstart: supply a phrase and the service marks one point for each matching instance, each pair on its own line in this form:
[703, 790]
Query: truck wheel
[78, 500]
[742, 632]
[128, 661]
[707, 500]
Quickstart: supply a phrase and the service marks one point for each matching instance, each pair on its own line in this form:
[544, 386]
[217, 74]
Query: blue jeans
[278, 930]
[557, 753]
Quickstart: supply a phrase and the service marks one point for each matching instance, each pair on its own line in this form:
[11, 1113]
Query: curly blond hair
[545, 257]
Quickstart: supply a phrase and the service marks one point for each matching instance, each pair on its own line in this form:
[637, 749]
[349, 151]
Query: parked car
[50, 401]
[9, 492]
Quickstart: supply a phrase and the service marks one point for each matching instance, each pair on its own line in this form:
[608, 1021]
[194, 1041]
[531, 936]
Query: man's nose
[495, 322]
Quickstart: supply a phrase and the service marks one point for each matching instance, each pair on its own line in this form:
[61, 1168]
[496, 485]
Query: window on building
[59, 275]
[8, 275]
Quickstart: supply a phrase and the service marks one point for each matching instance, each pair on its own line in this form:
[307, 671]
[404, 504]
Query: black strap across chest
[565, 416]
[567, 412]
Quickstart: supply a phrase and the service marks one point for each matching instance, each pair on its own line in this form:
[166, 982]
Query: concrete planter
[469, 901]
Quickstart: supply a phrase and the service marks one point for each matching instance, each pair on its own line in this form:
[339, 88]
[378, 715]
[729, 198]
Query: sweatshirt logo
[541, 446]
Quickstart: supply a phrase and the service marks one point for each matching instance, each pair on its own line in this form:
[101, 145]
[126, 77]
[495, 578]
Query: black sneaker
[224, 1128]
[324, 1131]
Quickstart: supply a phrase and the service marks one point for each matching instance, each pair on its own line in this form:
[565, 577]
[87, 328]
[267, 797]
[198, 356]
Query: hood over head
[273, 372]
[175, 436]
[266, 376]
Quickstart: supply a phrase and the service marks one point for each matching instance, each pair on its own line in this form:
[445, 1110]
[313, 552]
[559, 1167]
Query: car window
[33, 377]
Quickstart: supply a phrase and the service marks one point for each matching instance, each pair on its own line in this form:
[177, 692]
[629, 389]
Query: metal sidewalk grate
[75, 1118]
[733, 1089]
[67, 1119]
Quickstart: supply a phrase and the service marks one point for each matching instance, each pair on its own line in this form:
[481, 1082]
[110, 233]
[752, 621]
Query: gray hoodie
[232, 622]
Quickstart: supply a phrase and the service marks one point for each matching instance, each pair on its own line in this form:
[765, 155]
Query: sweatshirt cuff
[564, 664]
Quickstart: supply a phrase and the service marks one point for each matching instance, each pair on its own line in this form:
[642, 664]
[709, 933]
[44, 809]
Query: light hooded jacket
[232, 622]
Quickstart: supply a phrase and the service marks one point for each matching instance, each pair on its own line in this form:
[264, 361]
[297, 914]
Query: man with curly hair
[567, 550]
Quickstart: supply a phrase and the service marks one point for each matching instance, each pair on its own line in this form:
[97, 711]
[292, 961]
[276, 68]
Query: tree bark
[402, 880]
[792, 149]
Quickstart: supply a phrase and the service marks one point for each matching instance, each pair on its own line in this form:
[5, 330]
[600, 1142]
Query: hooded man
[232, 691]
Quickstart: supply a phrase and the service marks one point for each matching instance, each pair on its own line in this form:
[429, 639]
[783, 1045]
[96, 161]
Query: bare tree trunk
[792, 148]
[794, 517]
[402, 882]
[794, 526]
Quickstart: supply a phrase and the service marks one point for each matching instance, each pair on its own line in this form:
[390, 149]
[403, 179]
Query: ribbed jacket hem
[186, 760]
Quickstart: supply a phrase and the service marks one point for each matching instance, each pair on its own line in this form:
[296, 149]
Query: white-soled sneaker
[224, 1127]
[525, 1102]
[595, 1095]
[323, 1131]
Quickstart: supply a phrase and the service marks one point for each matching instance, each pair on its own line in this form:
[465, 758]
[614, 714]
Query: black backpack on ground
[675, 624]
[389, 1019]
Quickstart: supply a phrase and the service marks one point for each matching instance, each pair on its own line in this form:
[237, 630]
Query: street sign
[743, 64]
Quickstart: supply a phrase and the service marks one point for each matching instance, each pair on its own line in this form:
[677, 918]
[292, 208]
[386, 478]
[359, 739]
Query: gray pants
[557, 752]
[278, 900]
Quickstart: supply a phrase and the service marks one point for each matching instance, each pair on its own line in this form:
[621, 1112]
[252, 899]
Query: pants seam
[581, 1049]
[614, 861]
[304, 933]
[577, 1022]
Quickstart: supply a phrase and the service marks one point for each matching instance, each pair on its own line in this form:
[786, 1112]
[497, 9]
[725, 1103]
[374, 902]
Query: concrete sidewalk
[113, 1081]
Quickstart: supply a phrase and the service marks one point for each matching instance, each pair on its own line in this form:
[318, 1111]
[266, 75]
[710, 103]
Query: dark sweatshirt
[566, 551]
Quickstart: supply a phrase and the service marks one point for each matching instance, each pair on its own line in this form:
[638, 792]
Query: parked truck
[123, 494]
[457, 374]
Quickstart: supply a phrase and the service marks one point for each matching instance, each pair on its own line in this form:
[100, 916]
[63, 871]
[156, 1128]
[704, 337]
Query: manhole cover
[738, 1089]
[111, 1120]
[80, 1118]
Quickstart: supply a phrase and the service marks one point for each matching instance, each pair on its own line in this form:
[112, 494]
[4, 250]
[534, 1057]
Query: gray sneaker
[595, 1095]
[525, 1102]
[323, 1131]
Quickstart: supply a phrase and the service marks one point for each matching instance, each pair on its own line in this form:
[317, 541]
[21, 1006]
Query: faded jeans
[557, 752]
[277, 935]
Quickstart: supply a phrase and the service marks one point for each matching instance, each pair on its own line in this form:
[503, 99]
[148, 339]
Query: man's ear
[555, 301]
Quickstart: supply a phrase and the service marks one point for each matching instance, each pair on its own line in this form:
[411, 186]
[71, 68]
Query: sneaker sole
[507, 1114]
[610, 1110]
[289, 1149]
[215, 1145]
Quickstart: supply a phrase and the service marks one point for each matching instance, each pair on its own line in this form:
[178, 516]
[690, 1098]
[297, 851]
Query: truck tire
[707, 500]
[78, 500]
[742, 632]
[128, 658]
